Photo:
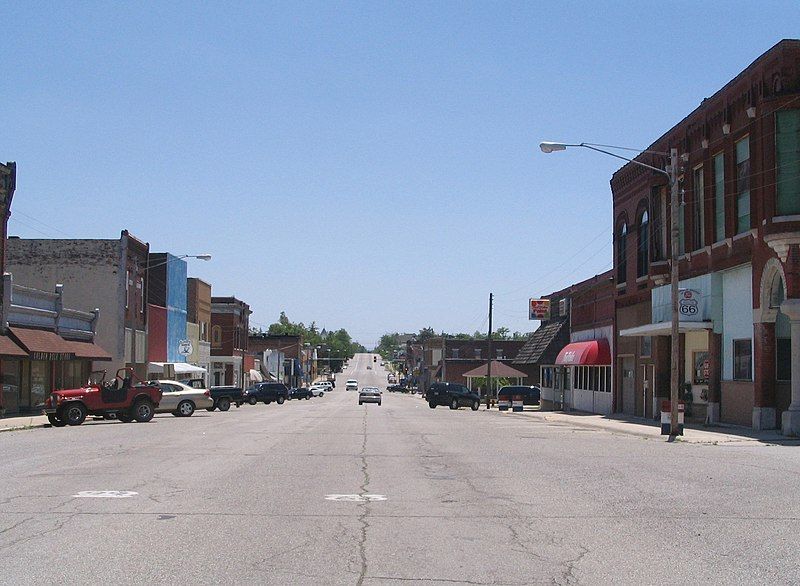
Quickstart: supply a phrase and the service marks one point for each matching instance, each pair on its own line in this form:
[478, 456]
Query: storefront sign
[539, 309]
[690, 305]
[185, 347]
[52, 356]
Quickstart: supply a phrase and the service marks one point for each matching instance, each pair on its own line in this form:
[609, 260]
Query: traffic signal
[374, 359]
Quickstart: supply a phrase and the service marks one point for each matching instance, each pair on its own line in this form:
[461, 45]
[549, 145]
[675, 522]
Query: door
[647, 390]
[169, 397]
[628, 375]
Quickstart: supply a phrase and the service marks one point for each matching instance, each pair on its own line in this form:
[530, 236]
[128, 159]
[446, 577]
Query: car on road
[266, 393]
[300, 393]
[530, 395]
[351, 385]
[124, 398]
[182, 400]
[369, 395]
[224, 395]
[318, 390]
[452, 395]
[329, 386]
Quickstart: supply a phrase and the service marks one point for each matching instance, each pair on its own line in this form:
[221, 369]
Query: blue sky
[372, 166]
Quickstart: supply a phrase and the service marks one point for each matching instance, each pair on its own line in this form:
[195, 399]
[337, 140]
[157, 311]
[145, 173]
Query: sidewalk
[693, 434]
[13, 422]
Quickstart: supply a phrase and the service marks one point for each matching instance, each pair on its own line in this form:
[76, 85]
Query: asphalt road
[460, 497]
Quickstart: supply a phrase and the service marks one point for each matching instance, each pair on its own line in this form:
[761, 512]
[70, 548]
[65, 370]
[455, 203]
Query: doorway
[648, 390]
[628, 375]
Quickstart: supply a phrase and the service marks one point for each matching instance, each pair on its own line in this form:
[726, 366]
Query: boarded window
[743, 185]
[787, 143]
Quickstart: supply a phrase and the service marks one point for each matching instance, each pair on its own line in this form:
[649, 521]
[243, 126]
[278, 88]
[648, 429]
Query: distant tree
[426, 334]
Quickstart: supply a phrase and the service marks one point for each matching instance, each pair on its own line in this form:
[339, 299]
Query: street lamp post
[671, 173]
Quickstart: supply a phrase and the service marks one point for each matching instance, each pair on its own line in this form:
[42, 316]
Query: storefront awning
[665, 328]
[589, 353]
[43, 344]
[9, 348]
[180, 368]
[88, 351]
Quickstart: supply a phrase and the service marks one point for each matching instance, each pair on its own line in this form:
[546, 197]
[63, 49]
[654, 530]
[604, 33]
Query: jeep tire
[55, 420]
[73, 413]
[143, 410]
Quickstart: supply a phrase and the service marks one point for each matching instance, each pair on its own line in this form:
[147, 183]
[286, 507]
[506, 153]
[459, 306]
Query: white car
[351, 385]
[324, 383]
[318, 390]
[182, 400]
[369, 395]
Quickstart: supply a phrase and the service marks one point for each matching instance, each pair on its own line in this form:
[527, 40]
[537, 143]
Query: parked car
[369, 395]
[224, 395]
[300, 393]
[530, 395]
[318, 390]
[181, 400]
[124, 398]
[351, 385]
[266, 393]
[452, 395]
[328, 385]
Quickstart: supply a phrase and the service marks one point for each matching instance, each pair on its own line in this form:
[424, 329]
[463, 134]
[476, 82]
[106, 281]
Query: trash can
[516, 403]
[666, 417]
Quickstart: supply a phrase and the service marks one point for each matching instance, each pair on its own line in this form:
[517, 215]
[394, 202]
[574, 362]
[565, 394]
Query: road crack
[363, 518]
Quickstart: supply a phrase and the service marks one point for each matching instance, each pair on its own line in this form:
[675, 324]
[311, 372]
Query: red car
[121, 398]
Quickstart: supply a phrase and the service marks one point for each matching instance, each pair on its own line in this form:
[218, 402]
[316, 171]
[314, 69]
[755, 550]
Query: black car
[223, 396]
[452, 395]
[266, 393]
[530, 395]
[301, 393]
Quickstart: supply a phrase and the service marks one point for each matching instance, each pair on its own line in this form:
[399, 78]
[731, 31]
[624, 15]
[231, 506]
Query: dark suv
[453, 395]
[266, 392]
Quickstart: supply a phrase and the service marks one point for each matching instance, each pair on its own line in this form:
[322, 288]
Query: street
[276, 494]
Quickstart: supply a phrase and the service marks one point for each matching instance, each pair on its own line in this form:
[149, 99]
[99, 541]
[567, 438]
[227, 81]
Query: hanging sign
[690, 305]
[185, 347]
[539, 309]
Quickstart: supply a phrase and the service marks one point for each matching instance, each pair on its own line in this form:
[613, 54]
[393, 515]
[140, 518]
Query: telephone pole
[489, 363]
[674, 282]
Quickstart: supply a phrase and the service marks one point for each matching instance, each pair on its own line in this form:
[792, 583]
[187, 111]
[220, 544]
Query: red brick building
[230, 331]
[740, 255]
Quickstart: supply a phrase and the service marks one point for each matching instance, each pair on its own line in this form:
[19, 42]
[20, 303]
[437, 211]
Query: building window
[681, 228]
[478, 353]
[500, 353]
[454, 352]
[699, 209]
[742, 360]
[140, 287]
[719, 196]
[547, 376]
[702, 368]
[787, 147]
[622, 255]
[203, 331]
[647, 346]
[127, 288]
[593, 378]
[743, 185]
[783, 359]
[657, 223]
[216, 336]
[642, 252]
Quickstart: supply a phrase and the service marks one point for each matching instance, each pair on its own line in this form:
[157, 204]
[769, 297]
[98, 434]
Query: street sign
[185, 347]
[690, 305]
[539, 309]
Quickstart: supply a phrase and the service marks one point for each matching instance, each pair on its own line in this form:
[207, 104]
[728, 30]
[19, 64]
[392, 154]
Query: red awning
[9, 348]
[88, 351]
[591, 353]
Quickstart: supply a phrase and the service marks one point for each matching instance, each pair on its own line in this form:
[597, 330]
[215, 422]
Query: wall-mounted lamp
[751, 112]
[726, 129]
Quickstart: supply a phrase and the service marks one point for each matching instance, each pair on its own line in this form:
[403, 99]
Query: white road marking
[355, 498]
[105, 494]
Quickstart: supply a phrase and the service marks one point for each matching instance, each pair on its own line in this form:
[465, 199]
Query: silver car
[182, 400]
[369, 395]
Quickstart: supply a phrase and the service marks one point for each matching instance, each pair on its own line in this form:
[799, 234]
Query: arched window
[622, 253]
[643, 249]
[216, 336]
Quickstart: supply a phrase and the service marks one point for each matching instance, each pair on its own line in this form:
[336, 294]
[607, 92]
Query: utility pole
[444, 359]
[675, 238]
[489, 363]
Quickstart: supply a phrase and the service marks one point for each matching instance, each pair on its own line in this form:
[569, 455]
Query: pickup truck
[223, 396]
[266, 393]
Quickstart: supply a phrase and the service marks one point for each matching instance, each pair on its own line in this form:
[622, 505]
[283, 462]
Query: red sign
[539, 309]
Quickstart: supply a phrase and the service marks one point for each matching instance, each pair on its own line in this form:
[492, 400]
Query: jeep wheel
[454, 404]
[124, 417]
[252, 400]
[143, 411]
[185, 409]
[224, 404]
[55, 420]
[432, 405]
[281, 400]
[73, 413]
[475, 405]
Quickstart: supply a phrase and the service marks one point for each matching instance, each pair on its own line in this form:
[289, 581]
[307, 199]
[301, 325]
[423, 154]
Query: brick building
[230, 329]
[292, 366]
[198, 323]
[462, 356]
[739, 230]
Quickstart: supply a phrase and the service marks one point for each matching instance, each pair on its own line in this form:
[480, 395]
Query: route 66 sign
[185, 347]
[690, 305]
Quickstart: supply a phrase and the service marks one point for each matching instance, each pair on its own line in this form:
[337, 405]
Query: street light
[671, 173]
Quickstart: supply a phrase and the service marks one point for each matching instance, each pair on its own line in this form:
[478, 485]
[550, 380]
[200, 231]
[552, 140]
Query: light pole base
[791, 423]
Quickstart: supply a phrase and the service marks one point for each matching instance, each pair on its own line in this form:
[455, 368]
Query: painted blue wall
[176, 306]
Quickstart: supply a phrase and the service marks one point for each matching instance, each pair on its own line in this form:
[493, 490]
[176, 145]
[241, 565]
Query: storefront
[583, 374]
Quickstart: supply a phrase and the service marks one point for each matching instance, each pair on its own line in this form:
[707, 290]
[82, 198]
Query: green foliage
[334, 345]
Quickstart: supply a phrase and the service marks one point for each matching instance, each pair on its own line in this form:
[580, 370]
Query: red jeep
[121, 398]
